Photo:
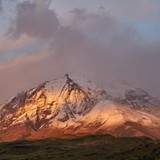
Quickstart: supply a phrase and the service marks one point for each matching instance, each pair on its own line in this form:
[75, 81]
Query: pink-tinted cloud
[96, 42]
[12, 45]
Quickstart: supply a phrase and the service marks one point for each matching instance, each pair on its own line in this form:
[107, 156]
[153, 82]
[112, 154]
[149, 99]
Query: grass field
[86, 148]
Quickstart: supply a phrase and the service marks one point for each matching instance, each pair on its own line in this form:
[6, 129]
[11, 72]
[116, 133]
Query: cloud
[0, 5]
[35, 19]
[128, 10]
[94, 41]
[12, 45]
[15, 75]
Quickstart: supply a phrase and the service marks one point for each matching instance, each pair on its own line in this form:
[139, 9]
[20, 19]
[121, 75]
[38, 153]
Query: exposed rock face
[69, 107]
[140, 100]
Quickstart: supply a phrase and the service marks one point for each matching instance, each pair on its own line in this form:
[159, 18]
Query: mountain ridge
[74, 106]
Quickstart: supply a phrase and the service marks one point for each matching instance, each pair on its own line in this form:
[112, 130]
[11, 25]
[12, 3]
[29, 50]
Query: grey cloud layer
[35, 19]
[96, 42]
[0, 5]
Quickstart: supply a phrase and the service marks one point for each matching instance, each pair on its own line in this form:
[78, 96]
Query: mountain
[73, 106]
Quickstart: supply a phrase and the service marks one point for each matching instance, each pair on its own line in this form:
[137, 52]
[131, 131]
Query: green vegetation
[86, 148]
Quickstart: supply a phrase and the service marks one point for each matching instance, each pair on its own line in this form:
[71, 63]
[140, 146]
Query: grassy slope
[87, 148]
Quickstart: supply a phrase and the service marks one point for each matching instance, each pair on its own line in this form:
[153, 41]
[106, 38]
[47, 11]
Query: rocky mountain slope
[73, 106]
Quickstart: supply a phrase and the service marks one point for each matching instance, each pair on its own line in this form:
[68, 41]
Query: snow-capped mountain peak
[74, 106]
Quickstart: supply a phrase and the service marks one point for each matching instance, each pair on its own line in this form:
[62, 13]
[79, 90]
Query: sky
[44, 39]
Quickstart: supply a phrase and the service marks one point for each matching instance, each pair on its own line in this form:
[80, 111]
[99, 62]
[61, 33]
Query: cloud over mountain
[39, 45]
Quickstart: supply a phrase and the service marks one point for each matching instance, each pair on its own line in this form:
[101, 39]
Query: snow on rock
[73, 105]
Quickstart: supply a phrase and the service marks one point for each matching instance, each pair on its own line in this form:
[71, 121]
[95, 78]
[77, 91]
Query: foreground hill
[73, 106]
[87, 148]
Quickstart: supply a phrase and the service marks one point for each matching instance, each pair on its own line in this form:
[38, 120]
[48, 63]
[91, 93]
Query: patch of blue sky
[7, 16]
[149, 30]
[3, 27]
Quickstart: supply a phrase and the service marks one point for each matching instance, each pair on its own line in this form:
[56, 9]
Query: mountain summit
[73, 106]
